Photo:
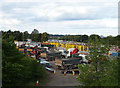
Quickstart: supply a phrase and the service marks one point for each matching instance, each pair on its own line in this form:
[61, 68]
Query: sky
[60, 16]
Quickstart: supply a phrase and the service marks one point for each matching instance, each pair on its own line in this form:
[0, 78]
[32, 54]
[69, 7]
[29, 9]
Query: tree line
[40, 37]
[85, 38]
[23, 36]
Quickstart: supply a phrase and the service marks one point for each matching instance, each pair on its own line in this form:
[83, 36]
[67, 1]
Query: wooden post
[54, 71]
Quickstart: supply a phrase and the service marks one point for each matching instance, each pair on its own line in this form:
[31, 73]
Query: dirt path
[59, 79]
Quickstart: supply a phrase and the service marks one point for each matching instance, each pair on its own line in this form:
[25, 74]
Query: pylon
[37, 82]
[65, 74]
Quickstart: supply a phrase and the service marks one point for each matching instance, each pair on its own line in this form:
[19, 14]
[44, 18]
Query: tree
[110, 76]
[44, 36]
[26, 35]
[112, 40]
[85, 38]
[93, 37]
[7, 34]
[35, 31]
[18, 35]
[35, 35]
[118, 40]
[92, 74]
[18, 68]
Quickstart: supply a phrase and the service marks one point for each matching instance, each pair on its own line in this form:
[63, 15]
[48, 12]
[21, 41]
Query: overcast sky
[60, 16]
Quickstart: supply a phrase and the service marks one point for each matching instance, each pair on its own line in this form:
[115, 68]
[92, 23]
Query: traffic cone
[37, 83]
[64, 73]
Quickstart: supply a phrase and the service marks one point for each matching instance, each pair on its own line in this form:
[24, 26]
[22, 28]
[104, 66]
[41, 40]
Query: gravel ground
[59, 79]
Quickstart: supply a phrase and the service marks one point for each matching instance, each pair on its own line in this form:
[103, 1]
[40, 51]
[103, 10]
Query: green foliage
[23, 36]
[107, 76]
[26, 35]
[35, 37]
[17, 35]
[44, 36]
[111, 74]
[40, 37]
[78, 38]
[17, 68]
[102, 71]
[87, 75]
[94, 37]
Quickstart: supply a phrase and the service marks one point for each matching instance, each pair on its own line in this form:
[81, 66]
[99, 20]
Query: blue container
[115, 54]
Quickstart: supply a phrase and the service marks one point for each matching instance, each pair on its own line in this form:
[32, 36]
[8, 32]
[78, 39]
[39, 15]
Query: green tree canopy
[18, 68]
[99, 72]
[44, 36]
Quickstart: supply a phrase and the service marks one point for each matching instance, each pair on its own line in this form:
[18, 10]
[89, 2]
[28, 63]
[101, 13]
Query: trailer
[50, 56]
[67, 63]
[85, 58]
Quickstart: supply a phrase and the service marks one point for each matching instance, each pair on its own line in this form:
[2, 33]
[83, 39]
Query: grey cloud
[27, 12]
[30, 13]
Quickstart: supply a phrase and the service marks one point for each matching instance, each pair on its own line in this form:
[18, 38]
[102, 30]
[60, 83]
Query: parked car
[45, 63]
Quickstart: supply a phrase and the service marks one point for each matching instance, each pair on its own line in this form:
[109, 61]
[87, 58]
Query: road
[59, 79]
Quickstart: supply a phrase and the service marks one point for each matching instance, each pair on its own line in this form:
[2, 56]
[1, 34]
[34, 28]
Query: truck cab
[63, 53]
[84, 58]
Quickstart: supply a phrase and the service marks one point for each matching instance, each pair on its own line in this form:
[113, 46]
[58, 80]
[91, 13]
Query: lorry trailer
[67, 63]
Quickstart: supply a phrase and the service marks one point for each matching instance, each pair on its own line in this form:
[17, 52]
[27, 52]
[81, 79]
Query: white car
[45, 63]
